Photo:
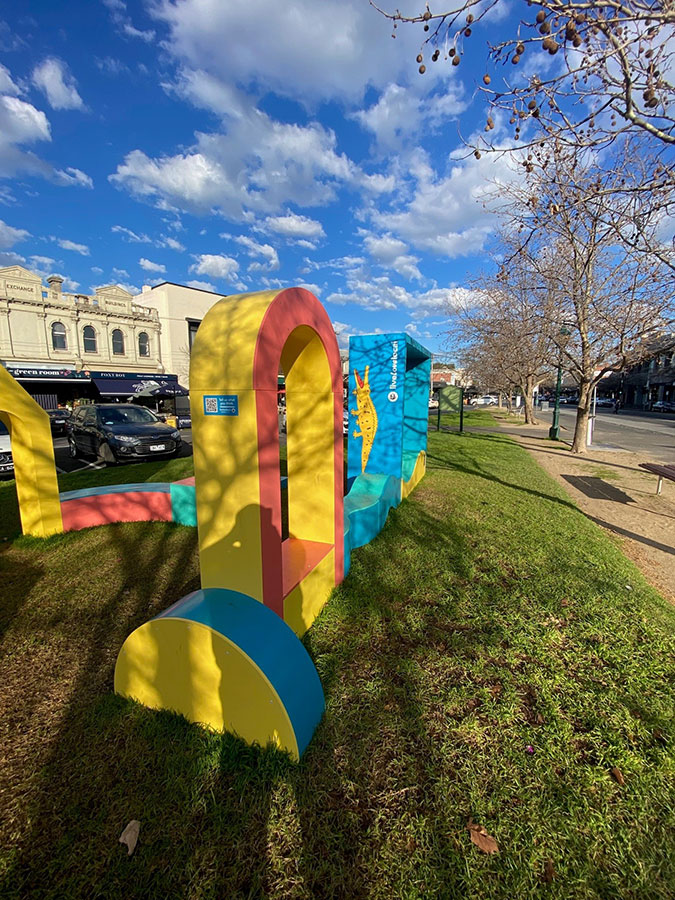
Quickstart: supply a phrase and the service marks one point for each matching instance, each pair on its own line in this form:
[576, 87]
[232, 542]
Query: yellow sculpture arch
[33, 453]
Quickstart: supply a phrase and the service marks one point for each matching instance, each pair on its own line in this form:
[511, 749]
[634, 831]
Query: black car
[58, 419]
[6, 461]
[117, 431]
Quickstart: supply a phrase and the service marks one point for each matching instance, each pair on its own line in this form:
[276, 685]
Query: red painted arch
[290, 309]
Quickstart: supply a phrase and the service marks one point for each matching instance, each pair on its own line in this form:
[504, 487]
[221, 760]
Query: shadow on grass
[437, 655]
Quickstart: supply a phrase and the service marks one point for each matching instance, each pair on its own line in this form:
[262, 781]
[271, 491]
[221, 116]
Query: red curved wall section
[290, 309]
[104, 509]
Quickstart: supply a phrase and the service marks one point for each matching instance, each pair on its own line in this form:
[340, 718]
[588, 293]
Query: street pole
[461, 410]
[554, 430]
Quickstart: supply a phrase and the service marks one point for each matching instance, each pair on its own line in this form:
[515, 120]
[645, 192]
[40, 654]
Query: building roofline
[189, 288]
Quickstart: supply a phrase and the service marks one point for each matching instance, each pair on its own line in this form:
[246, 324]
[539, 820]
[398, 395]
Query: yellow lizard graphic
[366, 416]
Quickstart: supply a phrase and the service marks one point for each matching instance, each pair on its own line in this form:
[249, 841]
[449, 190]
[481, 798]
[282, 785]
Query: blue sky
[236, 146]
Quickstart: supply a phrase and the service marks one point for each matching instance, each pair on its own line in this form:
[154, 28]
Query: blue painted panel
[269, 642]
[160, 487]
[388, 405]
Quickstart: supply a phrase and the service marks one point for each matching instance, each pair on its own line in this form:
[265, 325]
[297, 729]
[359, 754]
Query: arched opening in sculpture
[237, 353]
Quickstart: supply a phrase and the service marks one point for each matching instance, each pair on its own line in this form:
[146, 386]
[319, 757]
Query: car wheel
[72, 448]
[106, 455]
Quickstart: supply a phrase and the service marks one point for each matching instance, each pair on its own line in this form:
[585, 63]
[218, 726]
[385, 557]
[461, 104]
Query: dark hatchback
[117, 431]
[58, 419]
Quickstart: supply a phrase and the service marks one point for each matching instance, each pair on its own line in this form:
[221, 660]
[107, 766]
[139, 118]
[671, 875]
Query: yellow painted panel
[221, 360]
[407, 487]
[306, 601]
[228, 496]
[187, 667]
[310, 435]
[33, 453]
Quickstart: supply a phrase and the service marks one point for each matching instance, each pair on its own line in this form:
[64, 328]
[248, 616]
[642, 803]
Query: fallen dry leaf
[549, 871]
[482, 839]
[618, 776]
[130, 835]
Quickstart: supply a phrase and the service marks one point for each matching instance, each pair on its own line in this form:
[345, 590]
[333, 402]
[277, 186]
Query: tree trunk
[583, 412]
[528, 394]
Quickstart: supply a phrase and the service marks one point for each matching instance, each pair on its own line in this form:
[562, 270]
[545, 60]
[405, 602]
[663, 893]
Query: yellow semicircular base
[188, 667]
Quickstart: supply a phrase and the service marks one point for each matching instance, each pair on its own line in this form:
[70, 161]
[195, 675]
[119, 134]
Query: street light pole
[554, 430]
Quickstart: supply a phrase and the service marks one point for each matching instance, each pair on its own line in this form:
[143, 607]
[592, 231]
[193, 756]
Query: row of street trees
[581, 271]
[583, 265]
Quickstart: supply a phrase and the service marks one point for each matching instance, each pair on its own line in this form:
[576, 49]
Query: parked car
[433, 403]
[663, 406]
[117, 431]
[486, 400]
[6, 461]
[58, 419]
[345, 421]
[605, 402]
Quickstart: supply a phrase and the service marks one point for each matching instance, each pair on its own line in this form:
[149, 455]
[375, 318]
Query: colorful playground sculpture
[229, 656]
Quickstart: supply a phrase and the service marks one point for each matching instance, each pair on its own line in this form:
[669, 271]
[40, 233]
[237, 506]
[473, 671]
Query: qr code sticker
[211, 404]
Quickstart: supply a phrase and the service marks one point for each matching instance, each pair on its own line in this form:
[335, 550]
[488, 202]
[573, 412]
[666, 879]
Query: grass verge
[491, 656]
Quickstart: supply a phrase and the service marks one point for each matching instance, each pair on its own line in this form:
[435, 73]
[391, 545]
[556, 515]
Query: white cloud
[400, 113]
[150, 266]
[97, 270]
[216, 266]
[391, 253]
[121, 18]
[257, 164]
[55, 81]
[20, 124]
[11, 259]
[120, 273]
[446, 214]
[10, 235]
[71, 245]
[43, 265]
[131, 236]
[292, 225]
[202, 286]
[131, 288]
[254, 249]
[7, 86]
[305, 49]
[71, 176]
[172, 244]
[314, 288]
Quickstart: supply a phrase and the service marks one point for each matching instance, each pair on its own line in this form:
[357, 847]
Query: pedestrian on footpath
[617, 405]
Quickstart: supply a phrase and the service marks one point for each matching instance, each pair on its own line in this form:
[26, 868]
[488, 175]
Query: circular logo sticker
[393, 397]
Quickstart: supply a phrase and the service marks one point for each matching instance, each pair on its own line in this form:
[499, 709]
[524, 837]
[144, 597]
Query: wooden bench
[662, 472]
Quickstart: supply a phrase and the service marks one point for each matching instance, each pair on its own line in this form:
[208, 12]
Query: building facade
[180, 310]
[59, 344]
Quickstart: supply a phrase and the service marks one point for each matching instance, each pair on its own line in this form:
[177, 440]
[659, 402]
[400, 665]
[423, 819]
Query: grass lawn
[492, 656]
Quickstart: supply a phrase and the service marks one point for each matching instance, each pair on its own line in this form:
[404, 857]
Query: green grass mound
[492, 657]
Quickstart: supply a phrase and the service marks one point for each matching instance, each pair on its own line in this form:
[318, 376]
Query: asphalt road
[630, 430]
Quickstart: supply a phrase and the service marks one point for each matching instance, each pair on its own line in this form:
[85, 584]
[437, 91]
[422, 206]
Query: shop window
[59, 336]
[117, 342]
[89, 339]
[143, 344]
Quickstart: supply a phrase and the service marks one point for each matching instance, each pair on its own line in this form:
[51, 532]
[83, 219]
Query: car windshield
[58, 413]
[3, 428]
[127, 415]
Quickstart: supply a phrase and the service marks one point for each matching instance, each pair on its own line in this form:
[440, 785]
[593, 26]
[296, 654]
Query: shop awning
[139, 387]
[117, 387]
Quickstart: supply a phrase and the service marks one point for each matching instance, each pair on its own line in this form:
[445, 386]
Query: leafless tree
[603, 274]
[612, 77]
[504, 328]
